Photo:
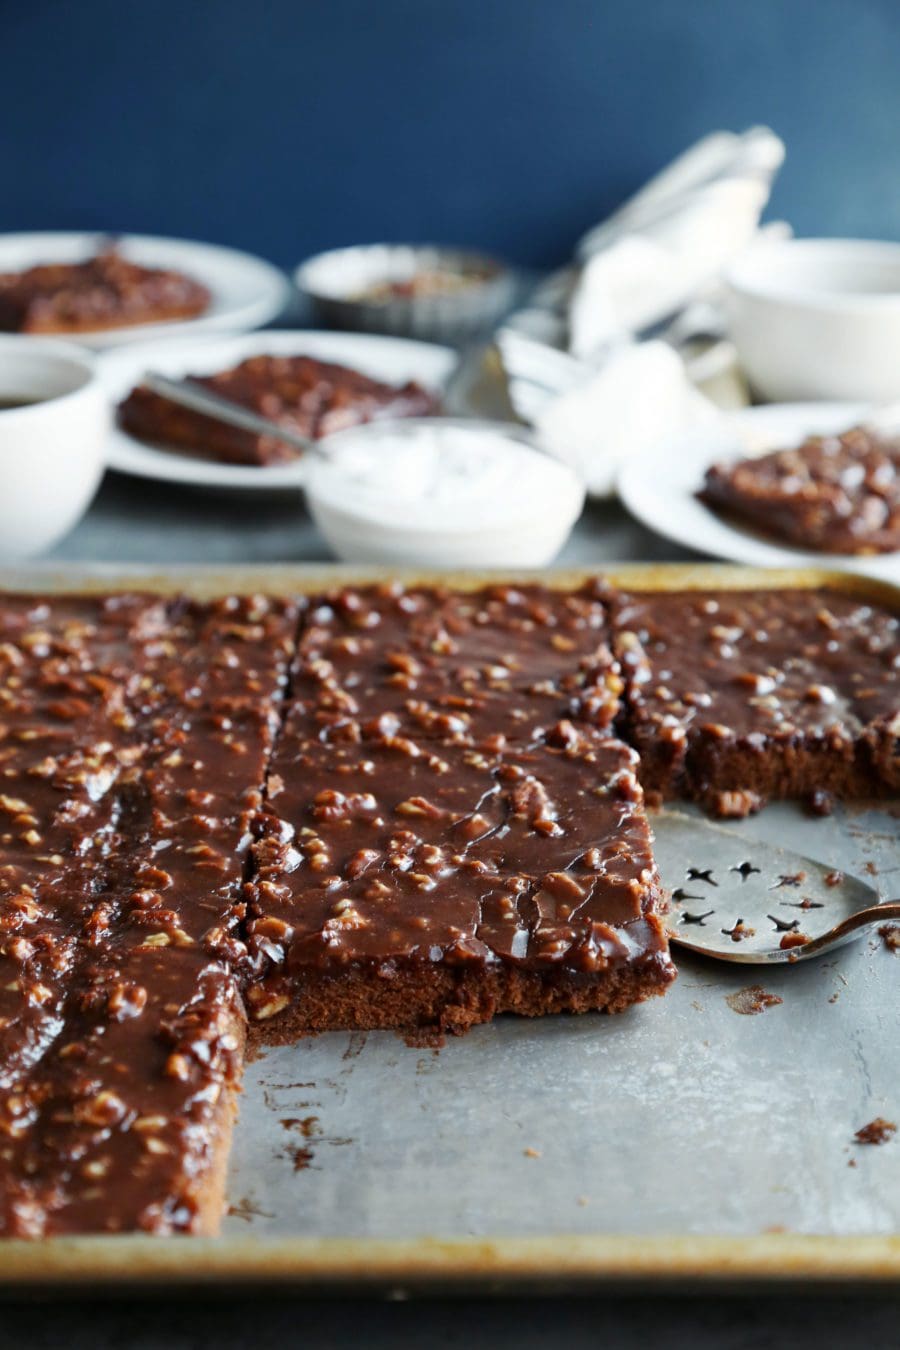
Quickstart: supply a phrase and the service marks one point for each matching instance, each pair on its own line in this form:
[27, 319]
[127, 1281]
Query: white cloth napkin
[638, 395]
[661, 252]
[673, 238]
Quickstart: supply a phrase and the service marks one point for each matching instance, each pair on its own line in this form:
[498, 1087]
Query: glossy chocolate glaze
[453, 666]
[406, 854]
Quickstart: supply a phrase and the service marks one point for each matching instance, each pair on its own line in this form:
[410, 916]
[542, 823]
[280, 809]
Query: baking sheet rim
[130, 1261]
[208, 580]
[133, 1261]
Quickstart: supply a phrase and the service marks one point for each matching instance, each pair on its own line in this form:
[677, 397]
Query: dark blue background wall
[286, 126]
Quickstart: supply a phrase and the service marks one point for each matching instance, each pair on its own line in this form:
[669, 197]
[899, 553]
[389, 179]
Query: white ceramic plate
[246, 292]
[393, 360]
[659, 486]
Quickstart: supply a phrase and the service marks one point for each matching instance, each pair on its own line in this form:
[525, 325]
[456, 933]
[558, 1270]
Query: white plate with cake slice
[660, 486]
[244, 292]
[392, 361]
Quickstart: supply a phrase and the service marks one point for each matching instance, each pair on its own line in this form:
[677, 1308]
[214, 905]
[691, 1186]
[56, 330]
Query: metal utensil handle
[873, 914]
[190, 395]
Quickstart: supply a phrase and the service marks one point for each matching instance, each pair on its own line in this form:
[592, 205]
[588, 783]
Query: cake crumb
[307, 1125]
[739, 931]
[247, 1210]
[753, 999]
[424, 1038]
[890, 936]
[878, 1131]
[735, 804]
[532, 1152]
[834, 878]
[820, 803]
[300, 1157]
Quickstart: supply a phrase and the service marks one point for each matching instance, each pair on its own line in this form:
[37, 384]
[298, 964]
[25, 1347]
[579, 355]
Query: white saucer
[393, 360]
[246, 292]
[659, 486]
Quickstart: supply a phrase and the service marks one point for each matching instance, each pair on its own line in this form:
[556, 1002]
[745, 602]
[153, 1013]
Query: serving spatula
[739, 899]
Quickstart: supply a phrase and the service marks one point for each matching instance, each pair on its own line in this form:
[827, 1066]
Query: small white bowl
[818, 319]
[51, 448]
[442, 492]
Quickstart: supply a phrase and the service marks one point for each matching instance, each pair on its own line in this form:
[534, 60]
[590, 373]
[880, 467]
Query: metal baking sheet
[680, 1140]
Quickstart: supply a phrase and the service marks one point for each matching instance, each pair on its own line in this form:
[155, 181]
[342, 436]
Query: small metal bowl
[343, 286]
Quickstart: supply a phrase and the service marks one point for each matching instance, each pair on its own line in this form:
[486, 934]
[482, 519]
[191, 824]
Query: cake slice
[125, 1125]
[313, 398]
[103, 292]
[832, 494]
[733, 697]
[66, 744]
[120, 1117]
[451, 828]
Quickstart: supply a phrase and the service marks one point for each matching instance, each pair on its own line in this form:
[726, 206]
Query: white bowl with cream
[442, 492]
[817, 319]
[54, 420]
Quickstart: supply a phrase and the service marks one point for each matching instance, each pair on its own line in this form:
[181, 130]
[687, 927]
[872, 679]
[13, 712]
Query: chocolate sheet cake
[378, 807]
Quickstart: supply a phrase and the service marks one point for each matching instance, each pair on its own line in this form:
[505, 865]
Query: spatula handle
[890, 910]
